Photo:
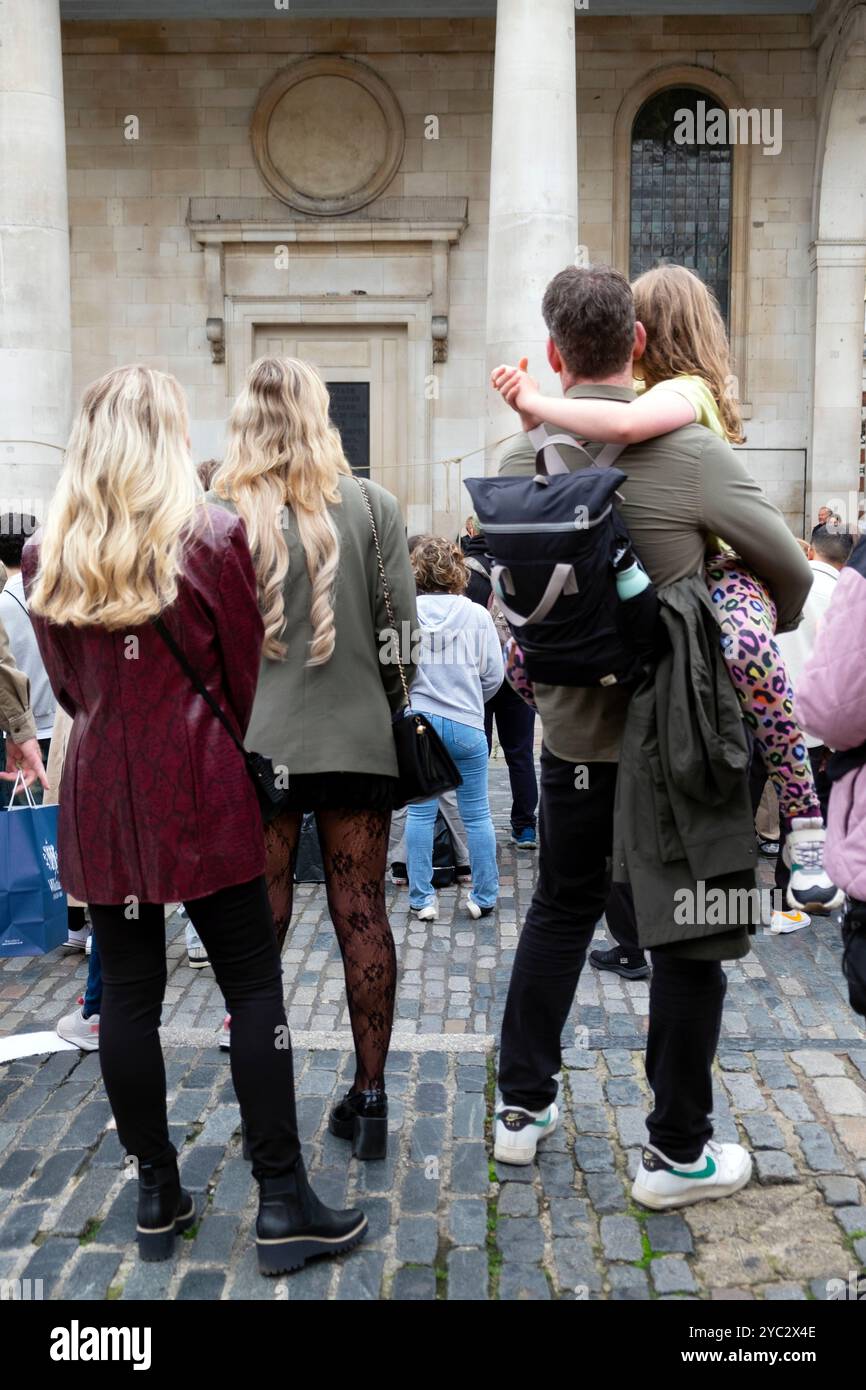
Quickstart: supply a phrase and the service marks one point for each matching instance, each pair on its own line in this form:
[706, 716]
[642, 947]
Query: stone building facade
[388, 199]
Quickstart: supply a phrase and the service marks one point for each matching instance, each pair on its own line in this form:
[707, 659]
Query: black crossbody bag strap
[197, 681]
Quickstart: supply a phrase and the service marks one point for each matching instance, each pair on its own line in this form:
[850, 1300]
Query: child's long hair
[283, 450]
[686, 337]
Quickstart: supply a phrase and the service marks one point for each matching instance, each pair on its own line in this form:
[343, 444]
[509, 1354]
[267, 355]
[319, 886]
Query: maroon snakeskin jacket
[155, 799]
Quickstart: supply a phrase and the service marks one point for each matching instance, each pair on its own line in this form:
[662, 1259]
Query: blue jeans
[468, 748]
[93, 992]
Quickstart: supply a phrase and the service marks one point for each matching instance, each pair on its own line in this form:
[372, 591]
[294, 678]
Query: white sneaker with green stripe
[518, 1132]
[721, 1170]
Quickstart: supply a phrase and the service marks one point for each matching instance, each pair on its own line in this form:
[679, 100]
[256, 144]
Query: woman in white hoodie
[459, 669]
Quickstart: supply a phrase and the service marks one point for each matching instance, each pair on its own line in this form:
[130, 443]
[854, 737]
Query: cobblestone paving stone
[445, 1221]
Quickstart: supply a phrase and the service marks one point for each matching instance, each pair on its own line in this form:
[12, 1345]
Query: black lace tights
[354, 852]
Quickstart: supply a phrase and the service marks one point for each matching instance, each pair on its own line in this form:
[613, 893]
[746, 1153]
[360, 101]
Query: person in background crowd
[459, 669]
[830, 696]
[325, 697]
[515, 719]
[682, 486]
[157, 804]
[15, 529]
[23, 751]
[828, 555]
[450, 815]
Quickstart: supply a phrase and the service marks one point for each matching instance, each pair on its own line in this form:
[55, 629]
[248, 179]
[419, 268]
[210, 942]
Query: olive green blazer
[337, 717]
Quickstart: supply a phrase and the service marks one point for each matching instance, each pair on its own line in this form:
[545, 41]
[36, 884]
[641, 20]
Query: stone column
[533, 185]
[35, 346]
[839, 270]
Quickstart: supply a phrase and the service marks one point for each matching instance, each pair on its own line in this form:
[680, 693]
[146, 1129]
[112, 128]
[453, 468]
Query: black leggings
[236, 927]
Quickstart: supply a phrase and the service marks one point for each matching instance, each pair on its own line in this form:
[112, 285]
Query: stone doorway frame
[246, 315]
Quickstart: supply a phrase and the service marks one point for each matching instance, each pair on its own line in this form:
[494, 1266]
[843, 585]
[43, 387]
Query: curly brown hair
[439, 567]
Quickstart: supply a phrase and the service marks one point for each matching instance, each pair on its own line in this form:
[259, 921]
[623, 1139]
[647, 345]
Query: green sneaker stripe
[707, 1171]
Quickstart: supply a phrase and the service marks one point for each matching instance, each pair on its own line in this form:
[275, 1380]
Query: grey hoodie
[459, 659]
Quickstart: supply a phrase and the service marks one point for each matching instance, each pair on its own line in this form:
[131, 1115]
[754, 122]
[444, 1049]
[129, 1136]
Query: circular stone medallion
[327, 135]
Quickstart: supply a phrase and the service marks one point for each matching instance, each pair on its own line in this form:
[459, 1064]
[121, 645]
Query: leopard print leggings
[747, 617]
[354, 851]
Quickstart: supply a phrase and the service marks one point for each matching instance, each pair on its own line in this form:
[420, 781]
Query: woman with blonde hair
[685, 371]
[320, 540]
[157, 803]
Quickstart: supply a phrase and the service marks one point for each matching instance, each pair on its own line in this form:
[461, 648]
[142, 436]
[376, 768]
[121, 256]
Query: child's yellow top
[698, 394]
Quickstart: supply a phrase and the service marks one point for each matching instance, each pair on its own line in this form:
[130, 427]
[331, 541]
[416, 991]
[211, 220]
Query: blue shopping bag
[33, 917]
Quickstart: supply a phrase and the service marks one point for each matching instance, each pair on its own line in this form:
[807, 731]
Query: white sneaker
[810, 887]
[721, 1170]
[781, 923]
[475, 909]
[518, 1132]
[84, 1032]
[196, 957]
[225, 1035]
[77, 940]
[88, 950]
[428, 913]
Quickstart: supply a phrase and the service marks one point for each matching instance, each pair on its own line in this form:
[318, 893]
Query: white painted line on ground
[174, 1036]
[31, 1044]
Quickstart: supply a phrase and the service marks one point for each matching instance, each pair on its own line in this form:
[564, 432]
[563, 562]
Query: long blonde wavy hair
[127, 501]
[283, 451]
[686, 337]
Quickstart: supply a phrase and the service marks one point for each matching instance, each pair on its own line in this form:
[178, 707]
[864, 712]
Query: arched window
[681, 192]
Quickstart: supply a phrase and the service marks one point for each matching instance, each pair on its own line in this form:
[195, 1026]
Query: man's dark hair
[16, 528]
[589, 312]
[831, 545]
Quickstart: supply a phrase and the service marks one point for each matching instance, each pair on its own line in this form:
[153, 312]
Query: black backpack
[553, 539]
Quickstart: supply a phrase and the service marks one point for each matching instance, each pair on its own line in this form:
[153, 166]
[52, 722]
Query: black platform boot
[293, 1226]
[165, 1209]
[362, 1116]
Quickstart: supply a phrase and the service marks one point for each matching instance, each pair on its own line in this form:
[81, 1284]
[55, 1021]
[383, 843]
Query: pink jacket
[830, 702]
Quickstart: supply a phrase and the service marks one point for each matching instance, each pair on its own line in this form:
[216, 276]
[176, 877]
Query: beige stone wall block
[475, 187]
[773, 375]
[146, 212]
[445, 156]
[425, 185]
[187, 183]
[88, 212]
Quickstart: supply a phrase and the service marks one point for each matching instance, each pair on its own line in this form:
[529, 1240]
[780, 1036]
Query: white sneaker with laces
[810, 888]
[429, 913]
[83, 1032]
[782, 923]
[721, 1170]
[518, 1132]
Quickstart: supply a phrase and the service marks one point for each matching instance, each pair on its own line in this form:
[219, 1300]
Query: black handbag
[261, 769]
[425, 767]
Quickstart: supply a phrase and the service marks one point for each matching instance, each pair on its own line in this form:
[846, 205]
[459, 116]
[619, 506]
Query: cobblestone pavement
[445, 1221]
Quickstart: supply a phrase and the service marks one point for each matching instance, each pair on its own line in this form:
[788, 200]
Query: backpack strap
[547, 452]
[562, 581]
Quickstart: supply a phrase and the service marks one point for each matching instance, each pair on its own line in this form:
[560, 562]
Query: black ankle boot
[165, 1209]
[362, 1116]
[293, 1226]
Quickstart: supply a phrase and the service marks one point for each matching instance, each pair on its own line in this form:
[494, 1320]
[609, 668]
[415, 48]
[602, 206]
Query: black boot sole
[369, 1136]
[287, 1256]
[641, 973]
[159, 1245]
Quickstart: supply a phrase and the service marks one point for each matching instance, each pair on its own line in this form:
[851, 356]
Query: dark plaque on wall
[350, 413]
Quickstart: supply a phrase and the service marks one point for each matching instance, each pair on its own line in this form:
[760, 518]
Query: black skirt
[341, 791]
